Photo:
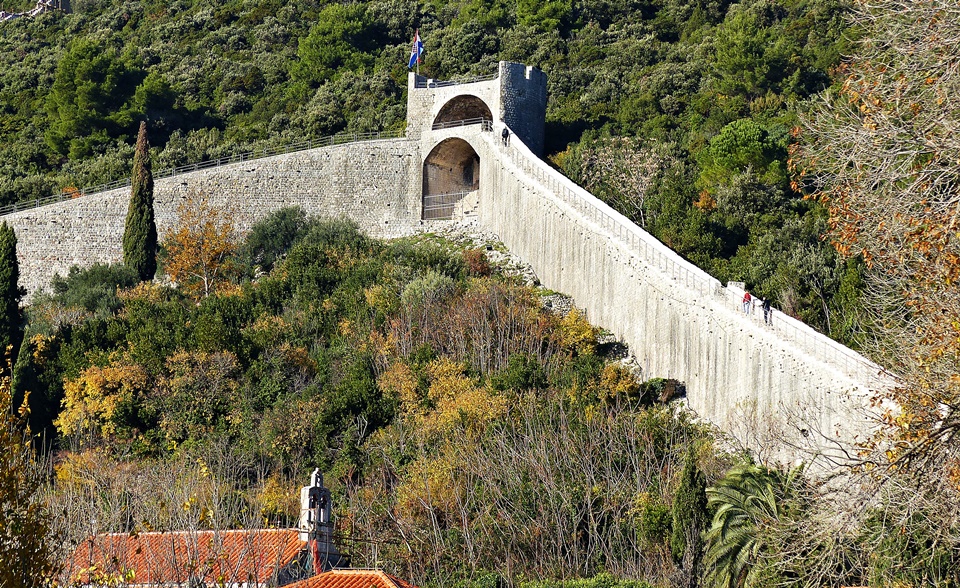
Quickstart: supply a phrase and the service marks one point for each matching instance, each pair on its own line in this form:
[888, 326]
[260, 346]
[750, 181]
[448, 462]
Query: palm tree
[747, 500]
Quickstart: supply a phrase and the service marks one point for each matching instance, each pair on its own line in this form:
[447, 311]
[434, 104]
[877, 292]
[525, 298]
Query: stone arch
[450, 171]
[463, 107]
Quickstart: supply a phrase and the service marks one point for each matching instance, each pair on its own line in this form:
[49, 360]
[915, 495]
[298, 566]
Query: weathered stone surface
[374, 183]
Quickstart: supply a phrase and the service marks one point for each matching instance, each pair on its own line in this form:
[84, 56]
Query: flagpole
[418, 51]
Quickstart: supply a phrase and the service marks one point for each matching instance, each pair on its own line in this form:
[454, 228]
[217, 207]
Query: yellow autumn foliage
[151, 292]
[383, 346]
[429, 484]
[616, 380]
[41, 346]
[268, 330]
[91, 399]
[457, 400]
[399, 380]
[200, 250]
[576, 334]
[381, 298]
[278, 499]
[298, 356]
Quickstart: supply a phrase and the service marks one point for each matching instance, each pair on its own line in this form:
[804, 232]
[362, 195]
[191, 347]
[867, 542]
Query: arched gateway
[450, 172]
[462, 109]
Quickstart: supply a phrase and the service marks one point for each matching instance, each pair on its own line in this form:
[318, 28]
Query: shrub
[431, 288]
[476, 262]
[271, 238]
[94, 288]
[522, 373]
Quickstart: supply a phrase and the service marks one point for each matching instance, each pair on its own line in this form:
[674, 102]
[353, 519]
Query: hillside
[474, 433]
[648, 105]
[471, 434]
[407, 371]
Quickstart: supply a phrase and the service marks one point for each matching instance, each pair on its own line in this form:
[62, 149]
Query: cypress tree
[140, 231]
[12, 294]
[689, 519]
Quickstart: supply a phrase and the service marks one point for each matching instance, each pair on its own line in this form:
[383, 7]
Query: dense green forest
[677, 113]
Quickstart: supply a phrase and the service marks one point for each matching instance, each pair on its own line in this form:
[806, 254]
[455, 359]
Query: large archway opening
[462, 108]
[450, 172]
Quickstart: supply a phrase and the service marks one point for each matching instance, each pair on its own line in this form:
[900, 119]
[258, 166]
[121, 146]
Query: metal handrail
[454, 197]
[431, 83]
[327, 141]
[485, 123]
[658, 255]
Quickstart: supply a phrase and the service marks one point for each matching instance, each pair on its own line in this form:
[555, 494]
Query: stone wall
[376, 183]
[678, 321]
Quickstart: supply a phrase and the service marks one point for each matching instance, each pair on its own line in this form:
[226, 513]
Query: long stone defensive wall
[746, 376]
[782, 383]
[372, 182]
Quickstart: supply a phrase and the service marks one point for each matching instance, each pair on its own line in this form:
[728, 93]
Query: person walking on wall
[767, 311]
[505, 135]
[747, 302]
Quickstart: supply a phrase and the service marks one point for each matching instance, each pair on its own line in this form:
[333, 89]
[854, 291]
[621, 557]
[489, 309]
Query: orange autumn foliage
[200, 252]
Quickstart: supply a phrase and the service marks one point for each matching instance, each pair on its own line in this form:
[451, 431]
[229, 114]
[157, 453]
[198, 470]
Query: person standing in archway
[505, 135]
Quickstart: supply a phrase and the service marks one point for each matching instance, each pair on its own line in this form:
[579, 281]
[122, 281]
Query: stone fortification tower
[516, 96]
[444, 117]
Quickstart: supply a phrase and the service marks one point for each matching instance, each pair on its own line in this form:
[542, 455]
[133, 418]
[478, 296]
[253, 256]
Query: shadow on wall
[463, 108]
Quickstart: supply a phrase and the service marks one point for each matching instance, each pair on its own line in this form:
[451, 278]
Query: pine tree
[11, 291]
[689, 520]
[140, 232]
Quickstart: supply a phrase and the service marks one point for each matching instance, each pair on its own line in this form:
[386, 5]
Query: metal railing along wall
[430, 83]
[328, 141]
[485, 124]
[442, 206]
[658, 255]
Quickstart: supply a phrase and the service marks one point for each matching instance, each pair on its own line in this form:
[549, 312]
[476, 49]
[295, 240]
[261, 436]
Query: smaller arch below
[450, 172]
[463, 108]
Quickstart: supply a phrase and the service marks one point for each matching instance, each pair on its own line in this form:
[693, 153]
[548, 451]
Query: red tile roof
[220, 557]
[351, 578]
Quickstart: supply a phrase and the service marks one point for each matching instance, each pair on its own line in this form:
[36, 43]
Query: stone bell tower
[316, 525]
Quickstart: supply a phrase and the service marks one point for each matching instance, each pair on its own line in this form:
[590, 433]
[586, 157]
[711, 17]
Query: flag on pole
[417, 50]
